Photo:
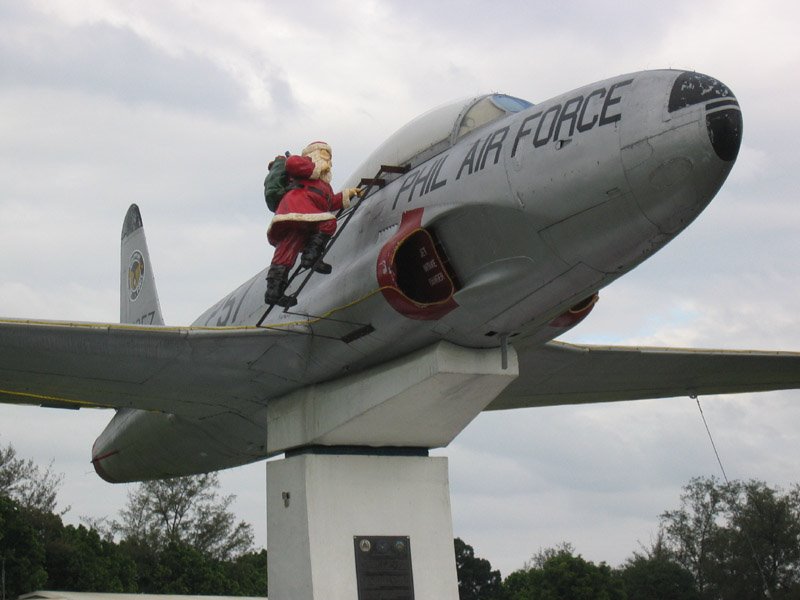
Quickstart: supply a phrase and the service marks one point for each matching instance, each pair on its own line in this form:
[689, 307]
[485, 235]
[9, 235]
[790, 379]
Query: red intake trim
[576, 314]
[411, 272]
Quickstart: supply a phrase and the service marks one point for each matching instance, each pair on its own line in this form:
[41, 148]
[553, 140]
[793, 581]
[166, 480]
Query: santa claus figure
[305, 219]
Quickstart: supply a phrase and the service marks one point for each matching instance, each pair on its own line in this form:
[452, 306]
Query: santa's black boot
[277, 279]
[313, 251]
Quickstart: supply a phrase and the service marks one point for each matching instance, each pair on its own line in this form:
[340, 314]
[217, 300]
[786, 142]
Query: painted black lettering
[570, 115]
[244, 295]
[469, 160]
[426, 188]
[221, 322]
[482, 153]
[523, 132]
[213, 314]
[435, 184]
[408, 182]
[582, 125]
[605, 119]
[537, 139]
[422, 179]
[146, 319]
[495, 145]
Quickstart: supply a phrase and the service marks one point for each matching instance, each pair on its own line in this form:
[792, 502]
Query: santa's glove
[349, 193]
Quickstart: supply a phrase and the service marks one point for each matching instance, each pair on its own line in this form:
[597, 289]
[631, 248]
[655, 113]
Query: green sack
[277, 183]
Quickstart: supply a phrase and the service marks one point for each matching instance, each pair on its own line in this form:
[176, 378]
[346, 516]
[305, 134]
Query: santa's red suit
[305, 220]
[306, 209]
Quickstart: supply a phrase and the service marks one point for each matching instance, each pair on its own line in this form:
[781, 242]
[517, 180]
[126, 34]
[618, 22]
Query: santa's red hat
[314, 146]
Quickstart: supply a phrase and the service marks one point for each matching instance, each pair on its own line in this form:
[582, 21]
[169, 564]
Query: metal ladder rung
[371, 182]
[398, 170]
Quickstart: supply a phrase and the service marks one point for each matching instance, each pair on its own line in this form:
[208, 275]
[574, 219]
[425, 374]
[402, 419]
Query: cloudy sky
[177, 105]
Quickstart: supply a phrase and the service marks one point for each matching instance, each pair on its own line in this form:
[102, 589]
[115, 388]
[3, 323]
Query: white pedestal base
[317, 504]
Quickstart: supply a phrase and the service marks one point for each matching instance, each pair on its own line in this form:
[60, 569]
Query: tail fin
[138, 295]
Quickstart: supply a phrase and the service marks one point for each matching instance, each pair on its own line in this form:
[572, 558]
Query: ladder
[368, 183]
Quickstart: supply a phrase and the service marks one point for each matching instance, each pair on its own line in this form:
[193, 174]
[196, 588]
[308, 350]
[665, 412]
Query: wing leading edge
[193, 372]
[560, 373]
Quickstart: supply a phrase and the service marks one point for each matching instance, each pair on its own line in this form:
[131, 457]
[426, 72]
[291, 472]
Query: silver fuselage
[532, 214]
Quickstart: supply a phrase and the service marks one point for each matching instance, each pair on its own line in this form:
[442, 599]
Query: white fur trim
[346, 198]
[302, 217]
[310, 217]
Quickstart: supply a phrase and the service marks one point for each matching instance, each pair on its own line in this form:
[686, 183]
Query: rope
[725, 476]
[711, 438]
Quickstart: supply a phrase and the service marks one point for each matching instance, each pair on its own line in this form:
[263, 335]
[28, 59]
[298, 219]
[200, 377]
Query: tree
[476, 579]
[761, 544]
[184, 511]
[538, 560]
[738, 539]
[78, 559]
[21, 549]
[655, 575]
[27, 484]
[179, 536]
[249, 571]
[556, 574]
[693, 532]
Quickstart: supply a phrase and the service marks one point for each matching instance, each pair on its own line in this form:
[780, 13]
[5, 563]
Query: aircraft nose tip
[725, 131]
[723, 116]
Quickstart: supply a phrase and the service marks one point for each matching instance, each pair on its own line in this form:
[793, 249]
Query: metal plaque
[383, 567]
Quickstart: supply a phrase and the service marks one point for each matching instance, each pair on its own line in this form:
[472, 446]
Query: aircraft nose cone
[723, 117]
[676, 160]
[725, 131]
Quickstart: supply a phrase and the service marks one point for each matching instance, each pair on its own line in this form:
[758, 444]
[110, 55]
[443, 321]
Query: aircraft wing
[559, 373]
[185, 371]
[196, 372]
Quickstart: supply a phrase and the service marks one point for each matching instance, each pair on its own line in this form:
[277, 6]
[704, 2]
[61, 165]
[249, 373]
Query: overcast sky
[178, 105]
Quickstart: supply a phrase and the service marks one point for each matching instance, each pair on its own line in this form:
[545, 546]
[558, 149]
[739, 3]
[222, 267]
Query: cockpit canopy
[437, 130]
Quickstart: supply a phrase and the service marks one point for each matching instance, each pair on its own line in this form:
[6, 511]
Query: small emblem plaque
[383, 567]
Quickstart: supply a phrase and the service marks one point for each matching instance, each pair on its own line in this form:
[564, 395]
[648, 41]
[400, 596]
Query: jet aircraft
[492, 222]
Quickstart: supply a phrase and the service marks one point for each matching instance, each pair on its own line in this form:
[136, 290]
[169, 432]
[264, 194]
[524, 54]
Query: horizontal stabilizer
[559, 373]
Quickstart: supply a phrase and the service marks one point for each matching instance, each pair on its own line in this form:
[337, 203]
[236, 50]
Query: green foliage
[21, 548]
[178, 568]
[78, 559]
[726, 540]
[27, 484]
[559, 574]
[476, 579]
[249, 571]
[657, 578]
[737, 539]
[538, 560]
[179, 537]
[184, 511]
[184, 540]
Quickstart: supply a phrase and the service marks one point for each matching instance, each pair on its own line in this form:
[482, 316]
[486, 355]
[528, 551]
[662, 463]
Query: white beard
[322, 168]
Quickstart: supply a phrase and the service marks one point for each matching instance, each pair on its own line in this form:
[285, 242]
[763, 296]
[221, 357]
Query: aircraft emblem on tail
[136, 273]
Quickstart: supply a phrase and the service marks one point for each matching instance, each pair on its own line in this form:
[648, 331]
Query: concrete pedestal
[358, 511]
[321, 506]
